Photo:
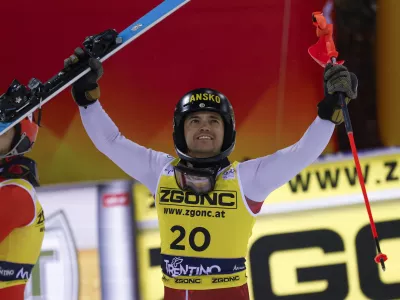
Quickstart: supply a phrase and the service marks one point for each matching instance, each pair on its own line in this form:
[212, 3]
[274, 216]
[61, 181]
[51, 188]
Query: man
[203, 249]
[21, 215]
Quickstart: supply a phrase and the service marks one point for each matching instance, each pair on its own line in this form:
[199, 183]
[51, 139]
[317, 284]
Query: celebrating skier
[206, 204]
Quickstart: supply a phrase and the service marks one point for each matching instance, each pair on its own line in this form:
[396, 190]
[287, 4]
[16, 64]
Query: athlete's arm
[143, 164]
[16, 209]
[263, 175]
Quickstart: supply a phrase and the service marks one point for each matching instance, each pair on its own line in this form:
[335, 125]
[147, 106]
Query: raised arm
[143, 164]
[263, 175]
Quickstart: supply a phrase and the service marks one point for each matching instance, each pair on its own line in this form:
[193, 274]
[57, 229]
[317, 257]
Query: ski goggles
[198, 180]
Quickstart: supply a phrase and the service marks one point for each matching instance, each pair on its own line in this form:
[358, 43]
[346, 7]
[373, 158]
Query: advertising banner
[313, 254]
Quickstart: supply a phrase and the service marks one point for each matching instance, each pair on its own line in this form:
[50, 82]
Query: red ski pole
[323, 52]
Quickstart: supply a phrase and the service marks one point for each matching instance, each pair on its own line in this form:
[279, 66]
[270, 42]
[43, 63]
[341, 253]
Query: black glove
[336, 79]
[85, 91]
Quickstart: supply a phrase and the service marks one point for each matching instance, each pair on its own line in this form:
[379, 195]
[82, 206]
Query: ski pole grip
[325, 30]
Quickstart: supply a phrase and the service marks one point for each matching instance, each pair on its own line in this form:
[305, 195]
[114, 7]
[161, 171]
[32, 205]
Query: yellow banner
[316, 254]
[339, 178]
[326, 254]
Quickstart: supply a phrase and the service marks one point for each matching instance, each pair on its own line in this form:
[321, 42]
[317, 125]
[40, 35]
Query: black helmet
[204, 99]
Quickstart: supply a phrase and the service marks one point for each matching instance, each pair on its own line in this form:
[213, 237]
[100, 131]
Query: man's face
[204, 134]
[6, 141]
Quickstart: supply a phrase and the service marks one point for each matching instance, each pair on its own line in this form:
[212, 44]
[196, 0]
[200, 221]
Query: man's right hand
[85, 91]
[336, 79]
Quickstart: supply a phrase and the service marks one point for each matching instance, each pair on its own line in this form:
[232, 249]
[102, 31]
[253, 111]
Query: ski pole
[322, 52]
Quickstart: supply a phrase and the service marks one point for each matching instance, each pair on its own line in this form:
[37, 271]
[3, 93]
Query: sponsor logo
[22, 274]
[221, 199]
[169, 171]
[229, 174]
[110, 200]
[10, 271]
[177, 268]
[6, 273]
[240, 268]
[205, 97]
[40, 218]
[188, 280]
[225, 279]
[136, 27]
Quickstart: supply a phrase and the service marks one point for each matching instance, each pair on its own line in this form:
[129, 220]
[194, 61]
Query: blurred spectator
[355, 36]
